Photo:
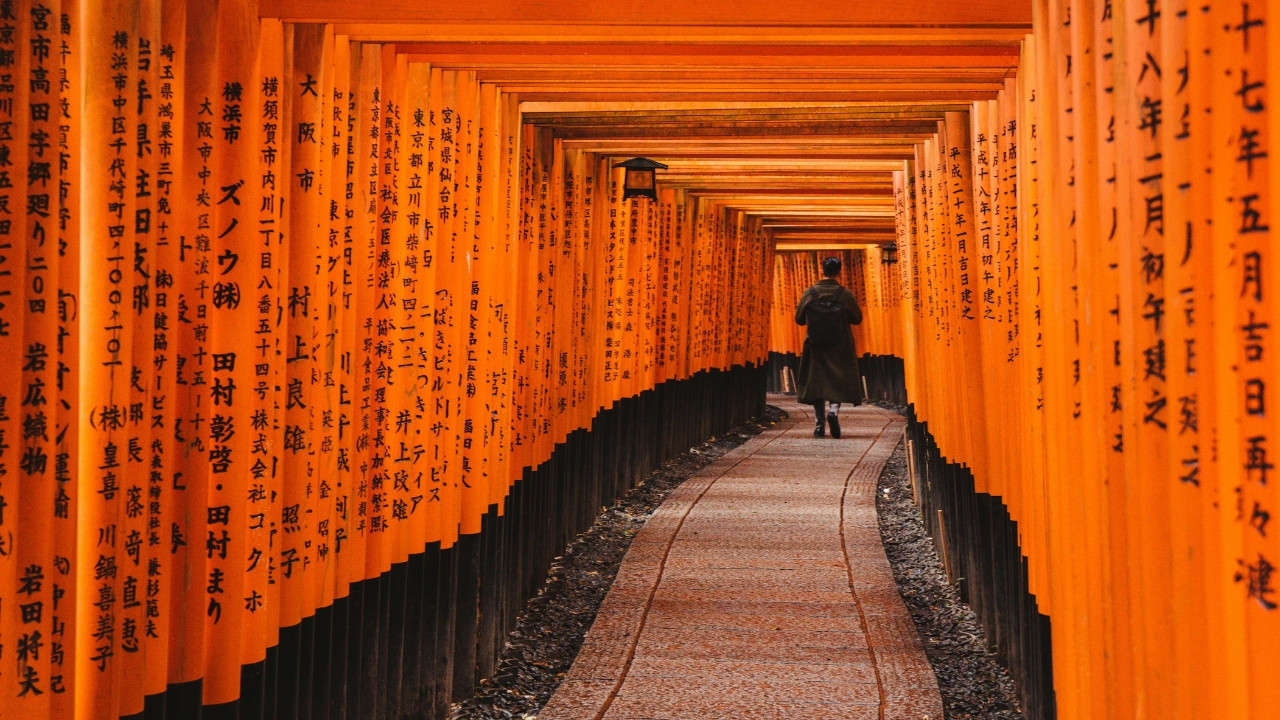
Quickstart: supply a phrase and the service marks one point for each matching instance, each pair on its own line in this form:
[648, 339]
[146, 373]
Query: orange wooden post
[396, 303]
[596, 204]
[1096, 330]
[304, 309]
[326, 411]
[501, 306]
[1031, 317]
[22, 577]
[1226, 221]
[1187, 576]
[1103, 407]
[156, 242]
[1013, 256]
[557, 283]
[425, 150]
[367, 100]
[135, 475]
[1263, 623]
[583, 228]
[377, 105]
[1241, 247]
[188, 482]
[960, 204]
[939, 259]
[922, 259]
[522, 342]
[450, 293]
[266, 426]
[474, 493]
[67, 413]
[1200, 27]
[488, 233]
[35, 481]
[543, 299]
[1061, 393]
[903, 203]
[104, 368]
[235, 202]
[631, 306]
[1144, 352]
[424, 517]
[615, 262]
[985, 280]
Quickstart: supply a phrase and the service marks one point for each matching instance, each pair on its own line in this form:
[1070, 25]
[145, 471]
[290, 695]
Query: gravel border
[972, 683]
[550, 630]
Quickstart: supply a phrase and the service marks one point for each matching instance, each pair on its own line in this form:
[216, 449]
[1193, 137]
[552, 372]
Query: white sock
[833, 408]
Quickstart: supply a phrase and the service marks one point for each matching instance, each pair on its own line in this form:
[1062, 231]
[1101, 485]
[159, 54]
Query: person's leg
[820, 427]
[833, 419]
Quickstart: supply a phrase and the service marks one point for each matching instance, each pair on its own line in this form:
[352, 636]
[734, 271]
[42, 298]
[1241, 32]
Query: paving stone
[738, 562]
[777, 688]
[772, 621]
[730, 640]
[704, 708]
[816, 580]
[641, 667]
[752, 595]
[716, 604]
[736, 599]
[578, 699]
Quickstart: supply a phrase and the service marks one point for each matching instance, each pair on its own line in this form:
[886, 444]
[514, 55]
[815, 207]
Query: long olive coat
[830, 373]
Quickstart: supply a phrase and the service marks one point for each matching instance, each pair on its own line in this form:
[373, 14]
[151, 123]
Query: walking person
[829, 363]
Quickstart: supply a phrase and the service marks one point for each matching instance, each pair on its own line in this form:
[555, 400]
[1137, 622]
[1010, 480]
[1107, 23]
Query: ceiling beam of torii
[796, 113]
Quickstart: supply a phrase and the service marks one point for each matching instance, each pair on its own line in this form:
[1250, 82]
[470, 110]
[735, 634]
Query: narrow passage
[760, 589]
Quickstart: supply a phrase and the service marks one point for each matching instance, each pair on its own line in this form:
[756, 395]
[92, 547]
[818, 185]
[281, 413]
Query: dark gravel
[972, 683]
[550, 631]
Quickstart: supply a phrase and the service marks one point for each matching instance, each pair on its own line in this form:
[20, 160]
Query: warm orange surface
[399, 217]
[1121, 363]
[671, 12]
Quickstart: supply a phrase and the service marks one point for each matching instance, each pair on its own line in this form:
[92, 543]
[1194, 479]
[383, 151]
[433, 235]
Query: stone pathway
[760, 589]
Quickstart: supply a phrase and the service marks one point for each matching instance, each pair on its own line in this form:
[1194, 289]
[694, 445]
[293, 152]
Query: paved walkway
[760, 590]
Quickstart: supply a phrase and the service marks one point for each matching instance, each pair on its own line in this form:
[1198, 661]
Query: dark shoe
[834, 421]
[819, 431]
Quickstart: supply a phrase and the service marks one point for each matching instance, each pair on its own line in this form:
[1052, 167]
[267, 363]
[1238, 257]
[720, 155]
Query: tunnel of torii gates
[326, 324]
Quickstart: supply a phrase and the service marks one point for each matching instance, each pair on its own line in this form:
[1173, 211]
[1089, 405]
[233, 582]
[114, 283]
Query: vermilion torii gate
[313, 306]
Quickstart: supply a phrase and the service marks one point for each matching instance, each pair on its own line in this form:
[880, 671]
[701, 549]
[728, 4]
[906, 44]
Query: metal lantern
[889, 253]
[639, 181]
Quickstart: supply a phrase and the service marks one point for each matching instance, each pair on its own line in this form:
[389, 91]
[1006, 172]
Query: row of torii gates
[312, 303]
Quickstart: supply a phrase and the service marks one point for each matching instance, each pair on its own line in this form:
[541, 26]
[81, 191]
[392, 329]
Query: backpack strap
[819, 294]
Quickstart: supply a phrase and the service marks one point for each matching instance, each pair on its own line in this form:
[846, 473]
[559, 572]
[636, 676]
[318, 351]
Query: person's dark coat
[830, 373]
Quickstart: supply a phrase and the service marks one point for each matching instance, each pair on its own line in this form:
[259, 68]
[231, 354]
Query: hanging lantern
[889, 253]
[639, 181]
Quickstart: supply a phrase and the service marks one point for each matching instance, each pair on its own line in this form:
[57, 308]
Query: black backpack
[826, 319]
